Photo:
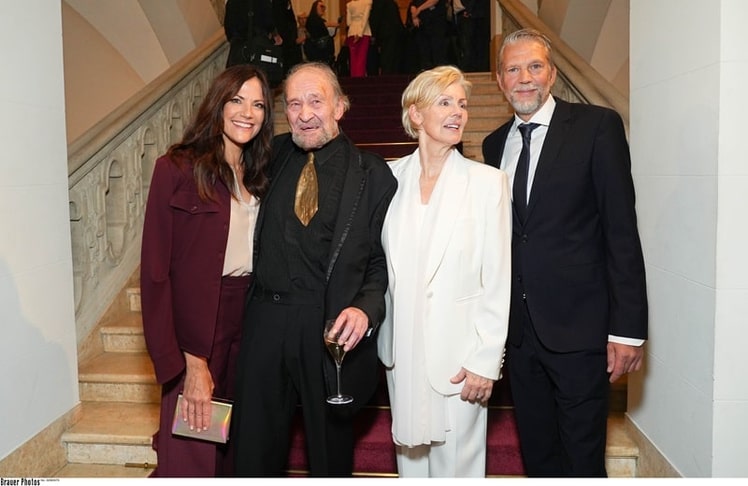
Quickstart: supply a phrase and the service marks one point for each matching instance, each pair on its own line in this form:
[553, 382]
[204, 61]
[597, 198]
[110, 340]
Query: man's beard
[527, 107]
[319, 139]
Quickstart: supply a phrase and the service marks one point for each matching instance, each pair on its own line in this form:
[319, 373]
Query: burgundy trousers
[186, 457]
[359, 50]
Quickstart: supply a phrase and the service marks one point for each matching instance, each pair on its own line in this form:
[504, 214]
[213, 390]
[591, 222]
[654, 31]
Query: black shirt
[291, 256]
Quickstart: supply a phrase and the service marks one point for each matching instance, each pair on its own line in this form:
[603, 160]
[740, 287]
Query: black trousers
[432, 43]
[280, 367]
[391, 50]
[561, 406]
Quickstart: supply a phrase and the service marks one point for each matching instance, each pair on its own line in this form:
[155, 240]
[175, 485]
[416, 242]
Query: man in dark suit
[236, 25]
[388, 30]
[312, 263]
[429, 18]
[578, 315]
[473, 26]
[288, 29]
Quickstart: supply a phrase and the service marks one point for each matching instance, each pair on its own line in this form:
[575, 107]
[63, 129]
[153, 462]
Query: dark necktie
[305, 205]
[519, 190]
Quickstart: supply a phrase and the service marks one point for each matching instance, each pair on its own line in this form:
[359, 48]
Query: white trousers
[461, 455]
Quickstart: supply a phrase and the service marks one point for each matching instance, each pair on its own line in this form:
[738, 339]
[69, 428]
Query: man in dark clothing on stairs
[389, 32]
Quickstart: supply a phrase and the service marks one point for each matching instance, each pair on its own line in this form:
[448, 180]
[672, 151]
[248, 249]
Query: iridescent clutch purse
[218, 430]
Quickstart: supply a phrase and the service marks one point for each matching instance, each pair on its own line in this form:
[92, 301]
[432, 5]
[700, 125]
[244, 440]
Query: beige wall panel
[180, 25]
[201, 18]
[97, 77]
[127, 28]
[611, 55]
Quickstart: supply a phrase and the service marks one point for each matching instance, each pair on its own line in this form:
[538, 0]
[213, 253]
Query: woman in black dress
[319, 46]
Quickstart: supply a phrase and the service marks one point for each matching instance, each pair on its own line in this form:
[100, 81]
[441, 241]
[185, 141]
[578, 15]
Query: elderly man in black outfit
[307, 271]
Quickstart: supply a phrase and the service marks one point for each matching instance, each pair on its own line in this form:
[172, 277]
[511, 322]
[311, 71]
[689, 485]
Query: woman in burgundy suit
[196, 263]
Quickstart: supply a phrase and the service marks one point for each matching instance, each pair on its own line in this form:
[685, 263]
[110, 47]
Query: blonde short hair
[425, 89]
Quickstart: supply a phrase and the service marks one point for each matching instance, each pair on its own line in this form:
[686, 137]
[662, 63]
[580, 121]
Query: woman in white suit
[447, 237]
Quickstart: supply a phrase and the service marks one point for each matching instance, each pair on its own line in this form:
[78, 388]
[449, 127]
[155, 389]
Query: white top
[514, 143]
[240, 243]
[419, 412]
[357, 17]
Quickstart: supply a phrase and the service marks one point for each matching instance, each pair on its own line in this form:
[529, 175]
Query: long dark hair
[203, 139]
[313, 11]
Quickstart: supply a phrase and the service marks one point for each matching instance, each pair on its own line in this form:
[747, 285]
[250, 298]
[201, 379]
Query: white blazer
[466, 243]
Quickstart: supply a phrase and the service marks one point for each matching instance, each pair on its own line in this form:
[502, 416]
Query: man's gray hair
[332, 78]
[531, 35]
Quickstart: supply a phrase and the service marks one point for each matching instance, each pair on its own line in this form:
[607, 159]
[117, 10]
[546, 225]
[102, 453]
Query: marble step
[483, 125]
[621, 452]
[133, 298]
[126, 335]
[497, 111]
[119, 377]
[103, 471]
[475, 137]
[113, 433]
[485, 76]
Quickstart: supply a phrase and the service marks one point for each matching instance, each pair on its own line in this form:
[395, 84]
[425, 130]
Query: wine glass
[338, 353]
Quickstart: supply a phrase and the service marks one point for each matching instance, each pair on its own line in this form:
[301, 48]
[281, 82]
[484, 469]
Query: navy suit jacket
[577, 259]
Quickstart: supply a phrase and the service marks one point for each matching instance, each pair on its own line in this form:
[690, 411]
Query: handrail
[581, 78]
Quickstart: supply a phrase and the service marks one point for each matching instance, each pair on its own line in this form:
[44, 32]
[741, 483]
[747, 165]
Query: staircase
[118, 390]
[119, 401]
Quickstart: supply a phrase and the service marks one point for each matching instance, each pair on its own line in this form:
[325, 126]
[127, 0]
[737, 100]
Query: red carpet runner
[374, 454]
[373, 121]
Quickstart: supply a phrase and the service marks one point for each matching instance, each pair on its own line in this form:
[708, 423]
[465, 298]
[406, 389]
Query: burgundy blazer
[184, 240]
